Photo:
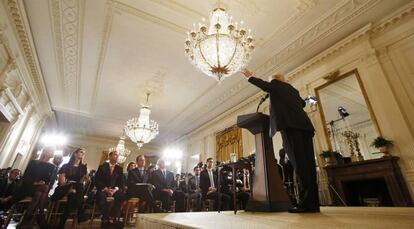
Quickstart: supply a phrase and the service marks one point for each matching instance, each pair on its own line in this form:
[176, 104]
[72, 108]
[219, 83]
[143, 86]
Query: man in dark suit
[109, 182]
[166, 189]
[208, 185]
[288, 117]
[191, 187]
[140, 176]
[8, 186]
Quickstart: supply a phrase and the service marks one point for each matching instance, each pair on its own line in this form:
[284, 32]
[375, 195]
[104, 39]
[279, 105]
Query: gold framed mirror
[350, 124]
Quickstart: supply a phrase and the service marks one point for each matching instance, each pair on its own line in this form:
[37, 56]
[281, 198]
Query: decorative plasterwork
[67, 18]
[18, 19]
[327, 25]
[303, 7]
[364, 32]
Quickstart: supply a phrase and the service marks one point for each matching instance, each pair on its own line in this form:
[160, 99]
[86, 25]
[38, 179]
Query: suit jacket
[8, 189]
[134, 176]
[189, 187]
[104, 179]
[286, 106]
[160, 182]
[205, 181]
[38, 171]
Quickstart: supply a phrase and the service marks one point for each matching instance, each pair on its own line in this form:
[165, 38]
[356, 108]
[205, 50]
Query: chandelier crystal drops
[221, 49]
[120, 148]
[142, 130]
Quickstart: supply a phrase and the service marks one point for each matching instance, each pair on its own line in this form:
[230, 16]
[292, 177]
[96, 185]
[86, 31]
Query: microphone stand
[261, 101]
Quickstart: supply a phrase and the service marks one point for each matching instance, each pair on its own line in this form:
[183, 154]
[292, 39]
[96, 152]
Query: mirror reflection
[347, 117]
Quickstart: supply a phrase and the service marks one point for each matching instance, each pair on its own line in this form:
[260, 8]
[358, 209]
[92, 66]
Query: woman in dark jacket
[72, 177]
[35, 183]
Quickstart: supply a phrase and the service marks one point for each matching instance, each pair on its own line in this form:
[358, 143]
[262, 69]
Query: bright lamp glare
[58, 152]
[177, 164]
[172, 153]
[53, 140]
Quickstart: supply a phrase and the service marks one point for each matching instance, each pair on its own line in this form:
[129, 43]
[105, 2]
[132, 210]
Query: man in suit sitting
[191, 187]
[208, 182]
[142, 191]
[165, 188]
[8, 186]
[109, 181]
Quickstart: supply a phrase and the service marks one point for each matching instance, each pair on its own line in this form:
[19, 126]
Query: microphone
[262, 101]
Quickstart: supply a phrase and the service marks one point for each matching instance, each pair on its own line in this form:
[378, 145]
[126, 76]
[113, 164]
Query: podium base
[267, 206]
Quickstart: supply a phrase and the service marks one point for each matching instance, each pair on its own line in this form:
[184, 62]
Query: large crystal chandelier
[223, 49]
[142, 130]
[120, 148]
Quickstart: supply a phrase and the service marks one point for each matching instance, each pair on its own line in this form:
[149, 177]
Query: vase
[328, 161]
[384, 150]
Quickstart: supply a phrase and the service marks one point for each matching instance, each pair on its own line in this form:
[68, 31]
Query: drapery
[229, 141]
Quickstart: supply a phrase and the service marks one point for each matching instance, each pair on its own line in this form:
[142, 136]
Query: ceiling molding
[178, 7]
[365, 31]
[18, 19]
[67, 22]
[102, 53]
[303, 7]
[150, 17]
[88, 115]
[330, 22]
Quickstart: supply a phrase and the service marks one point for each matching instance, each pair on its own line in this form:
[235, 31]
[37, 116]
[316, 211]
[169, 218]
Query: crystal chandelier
[222, 49]
[142, 130]
[120, 148]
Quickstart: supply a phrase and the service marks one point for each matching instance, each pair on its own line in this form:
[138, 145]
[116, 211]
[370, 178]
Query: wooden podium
[268, 193]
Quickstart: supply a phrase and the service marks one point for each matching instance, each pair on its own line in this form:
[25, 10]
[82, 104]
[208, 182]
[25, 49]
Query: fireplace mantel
[383, 168]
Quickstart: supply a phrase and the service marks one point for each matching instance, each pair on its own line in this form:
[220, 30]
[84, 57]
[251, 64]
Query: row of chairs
[53, 211]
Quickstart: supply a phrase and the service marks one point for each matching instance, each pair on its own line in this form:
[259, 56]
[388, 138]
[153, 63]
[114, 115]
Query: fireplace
[376, 182]
[372, 192]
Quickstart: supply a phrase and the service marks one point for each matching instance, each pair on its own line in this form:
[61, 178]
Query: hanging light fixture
[122, 150]
[221, 49]
[142, 130]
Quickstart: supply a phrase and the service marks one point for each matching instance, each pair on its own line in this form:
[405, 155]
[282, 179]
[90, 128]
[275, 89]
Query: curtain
[229, 141]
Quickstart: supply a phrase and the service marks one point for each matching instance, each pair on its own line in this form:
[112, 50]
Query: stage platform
[330, 217]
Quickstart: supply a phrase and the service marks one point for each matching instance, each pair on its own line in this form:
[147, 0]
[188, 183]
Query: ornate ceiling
[99, 57]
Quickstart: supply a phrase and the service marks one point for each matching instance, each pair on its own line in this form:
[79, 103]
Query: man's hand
[247, 73]
[211, 189]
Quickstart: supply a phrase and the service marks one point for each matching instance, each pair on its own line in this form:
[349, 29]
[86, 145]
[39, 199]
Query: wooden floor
[330, 217]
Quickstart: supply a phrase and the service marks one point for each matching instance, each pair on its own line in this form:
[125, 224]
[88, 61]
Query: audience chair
[208, 205]
[108, 200]
[131, 207]
[13, 210]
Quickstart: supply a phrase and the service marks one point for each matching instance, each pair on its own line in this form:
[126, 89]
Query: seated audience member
[35, 183]
[191, 187]
[72, 176]
[131, 165]
[165, 188]
[138, 186]
[109, 182]
[8, 186]
[208, 181]
[151, 168]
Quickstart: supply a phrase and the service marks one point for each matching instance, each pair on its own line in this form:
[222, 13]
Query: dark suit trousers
[298, 145]
[103, 206]
[166, 200]
[142, 192]
[225, 200]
